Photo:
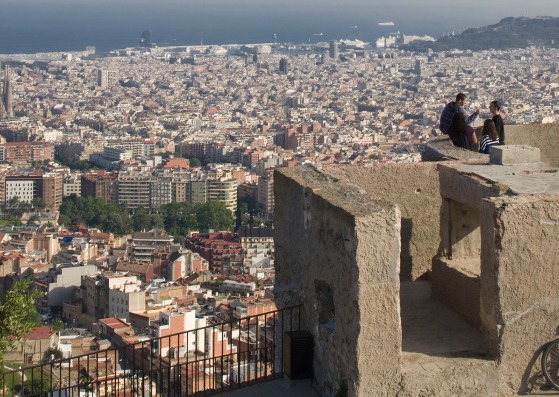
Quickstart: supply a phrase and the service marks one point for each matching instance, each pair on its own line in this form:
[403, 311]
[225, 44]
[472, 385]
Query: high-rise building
[103, 78]
[7, 98]
[334, 51]
[145, 39]
[161, 190]
[283, 66]
[134, 189]
[224, 189]
[418, 67]
[266, 192]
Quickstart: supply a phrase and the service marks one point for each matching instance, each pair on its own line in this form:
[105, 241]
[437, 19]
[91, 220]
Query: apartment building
[134, 189]
[72, 184]
[142, 245]
[222, 250]
[27, 152]
[183, 263]
[100, 184]
[178, 323]
[36, 184]
[124, 299]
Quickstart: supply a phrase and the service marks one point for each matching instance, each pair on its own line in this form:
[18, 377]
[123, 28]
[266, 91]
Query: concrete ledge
[457, 285]
[514, 154]
[440, 148]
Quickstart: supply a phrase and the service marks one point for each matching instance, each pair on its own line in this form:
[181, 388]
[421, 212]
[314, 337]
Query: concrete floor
[429, 327]
[275, 388]
[434, 340]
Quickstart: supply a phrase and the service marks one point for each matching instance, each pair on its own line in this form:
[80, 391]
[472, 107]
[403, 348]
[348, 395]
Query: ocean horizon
[67, 26]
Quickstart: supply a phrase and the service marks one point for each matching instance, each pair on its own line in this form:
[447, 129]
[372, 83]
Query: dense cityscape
[137, 188]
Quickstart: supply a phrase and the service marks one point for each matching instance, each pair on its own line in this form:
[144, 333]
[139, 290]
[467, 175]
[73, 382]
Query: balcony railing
[204, 361]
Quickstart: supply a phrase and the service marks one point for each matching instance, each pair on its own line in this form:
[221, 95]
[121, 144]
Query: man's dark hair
[496, 105]
[460, 97]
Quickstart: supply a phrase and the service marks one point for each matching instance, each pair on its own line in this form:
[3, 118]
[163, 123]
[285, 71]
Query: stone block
[514, 154]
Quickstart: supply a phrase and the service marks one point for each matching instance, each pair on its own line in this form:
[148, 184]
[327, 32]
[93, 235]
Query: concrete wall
[70, 278]
[415, 189]
[543, 136]
[339, 257]
[456, 270]
[519, 284]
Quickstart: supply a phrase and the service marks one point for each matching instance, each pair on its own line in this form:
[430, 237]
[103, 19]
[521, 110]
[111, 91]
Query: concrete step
[424, 375]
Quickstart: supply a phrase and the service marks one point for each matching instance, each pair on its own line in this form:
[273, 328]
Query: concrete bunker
[356, 241]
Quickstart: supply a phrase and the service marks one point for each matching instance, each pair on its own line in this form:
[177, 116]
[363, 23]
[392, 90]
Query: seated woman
[489, 136]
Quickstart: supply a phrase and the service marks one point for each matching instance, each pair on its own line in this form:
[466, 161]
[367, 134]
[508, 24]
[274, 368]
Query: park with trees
[178, 219]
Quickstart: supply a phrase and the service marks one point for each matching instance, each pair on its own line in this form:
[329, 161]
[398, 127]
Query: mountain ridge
[509, 32]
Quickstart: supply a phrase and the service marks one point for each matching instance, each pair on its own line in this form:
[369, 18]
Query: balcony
[251, 355]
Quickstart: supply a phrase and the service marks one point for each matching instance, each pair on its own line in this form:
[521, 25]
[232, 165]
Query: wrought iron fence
[202, 361]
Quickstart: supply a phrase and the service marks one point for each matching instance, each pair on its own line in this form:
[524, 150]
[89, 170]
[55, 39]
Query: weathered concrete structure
[346, 274]
[352, 243]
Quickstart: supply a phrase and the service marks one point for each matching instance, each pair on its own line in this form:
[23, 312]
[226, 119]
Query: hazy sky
[531, 7]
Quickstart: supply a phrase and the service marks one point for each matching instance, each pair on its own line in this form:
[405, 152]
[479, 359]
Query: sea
[32, 26]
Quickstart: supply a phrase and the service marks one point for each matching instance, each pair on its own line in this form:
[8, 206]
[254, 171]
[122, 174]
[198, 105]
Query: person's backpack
[446, 117]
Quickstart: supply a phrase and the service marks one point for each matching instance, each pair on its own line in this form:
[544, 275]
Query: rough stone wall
[338, 255]
[415, 189]
[519, 284]
[542, 136]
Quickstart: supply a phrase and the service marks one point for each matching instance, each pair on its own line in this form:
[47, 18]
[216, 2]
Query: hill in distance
[508, 33]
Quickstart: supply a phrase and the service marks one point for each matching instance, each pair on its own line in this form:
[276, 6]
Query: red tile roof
[113, 322]
[40, 333]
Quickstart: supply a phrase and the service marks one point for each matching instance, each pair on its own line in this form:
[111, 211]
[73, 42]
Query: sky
[62, 25]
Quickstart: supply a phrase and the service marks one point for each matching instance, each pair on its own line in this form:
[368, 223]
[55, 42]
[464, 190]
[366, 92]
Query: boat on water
[386, 24]
[352, 44]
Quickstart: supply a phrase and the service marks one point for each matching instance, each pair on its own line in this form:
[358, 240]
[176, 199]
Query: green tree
[155, 221]
[214, 215]
[38, 202]
[57, 325]
[95, 212]
[17, 314]
[140, 219]
[36, 386]
[52, 353]
[179, 218]
[33, 219]
[195, 162]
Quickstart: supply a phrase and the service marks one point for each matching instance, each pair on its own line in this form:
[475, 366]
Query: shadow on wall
[533, 378]
[406, 258]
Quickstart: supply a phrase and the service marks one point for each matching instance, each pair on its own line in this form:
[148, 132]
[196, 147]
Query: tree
[214, 215]
[57, 325]
[17, 314]
[179, 218]
[195, 162]
[36, 386]
[52, 353]
[33, 219]
[140, 219]
[38, 202]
